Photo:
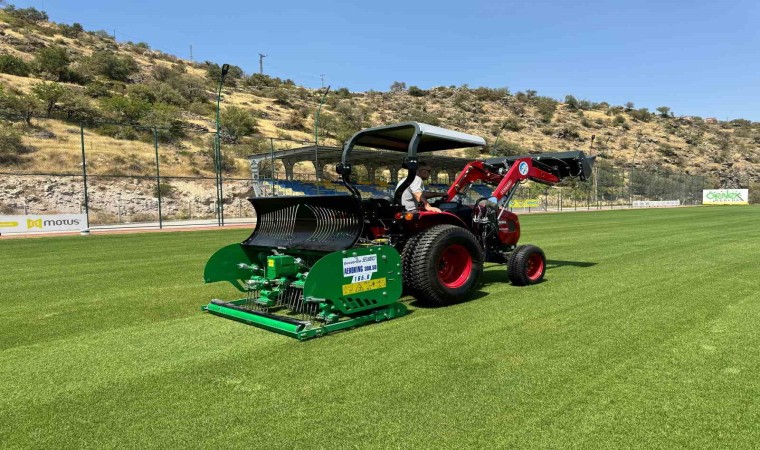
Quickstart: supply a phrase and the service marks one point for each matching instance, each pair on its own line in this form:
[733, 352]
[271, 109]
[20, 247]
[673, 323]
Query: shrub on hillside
[11, 147]
[14, 65]
[111, 65]
[545, 107]
[29, 15]
[53, 62]
[641, 114]
[71, 31]
[414, 91]
[49, 94]
[237, 122]
[157, 92]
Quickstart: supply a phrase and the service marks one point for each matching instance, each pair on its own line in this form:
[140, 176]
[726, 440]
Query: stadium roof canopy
[376, 159]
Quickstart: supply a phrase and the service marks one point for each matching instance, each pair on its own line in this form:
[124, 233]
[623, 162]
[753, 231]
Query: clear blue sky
[698, 57]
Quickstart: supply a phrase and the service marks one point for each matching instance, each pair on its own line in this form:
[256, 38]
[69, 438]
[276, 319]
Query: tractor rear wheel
[407, 253]
[445, 266]
[526, 265]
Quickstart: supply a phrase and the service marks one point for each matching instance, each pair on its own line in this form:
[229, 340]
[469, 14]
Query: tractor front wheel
[445, 265]
[526, 265]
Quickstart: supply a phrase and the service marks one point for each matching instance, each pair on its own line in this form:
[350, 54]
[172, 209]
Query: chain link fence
[131, 176]
[127, 176]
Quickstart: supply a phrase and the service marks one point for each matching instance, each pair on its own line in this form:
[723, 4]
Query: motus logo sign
[40, 223]
[523, 168]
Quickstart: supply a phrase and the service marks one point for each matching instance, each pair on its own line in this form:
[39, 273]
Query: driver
[413, 198]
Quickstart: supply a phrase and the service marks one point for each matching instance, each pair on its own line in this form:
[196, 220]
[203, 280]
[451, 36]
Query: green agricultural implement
[301, 273]
[322, 263]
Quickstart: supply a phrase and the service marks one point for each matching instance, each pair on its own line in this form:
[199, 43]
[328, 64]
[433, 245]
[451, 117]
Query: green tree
[49, 94]
[414, 91]
[71, 31]
[125, 109]
[398, 86]
[111, 65]
[31, 15]
[237, 122]
[11, 146]
[53, 61]
[572, 102]
[164, 118]
[664, 111]
[13, 65]
[77, 107]
[17, 104]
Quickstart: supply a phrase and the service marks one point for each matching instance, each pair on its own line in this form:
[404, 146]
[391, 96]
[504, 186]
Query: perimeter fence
[124, 175]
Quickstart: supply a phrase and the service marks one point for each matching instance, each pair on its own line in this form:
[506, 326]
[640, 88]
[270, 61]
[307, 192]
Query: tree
[414, 91]
[214, 73]
[11, 146]
[31, 15]
[18, 104]
[49, 93]
[398, 86]
[237, 122]
[71, 31]
[125, 109]
[13, 65]
[571, 102]
[629, 106]
[664, 111]
[111, 65]
[77, 107]
[53, 61]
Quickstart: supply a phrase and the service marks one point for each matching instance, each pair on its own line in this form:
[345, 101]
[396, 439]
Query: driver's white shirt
[407, 198]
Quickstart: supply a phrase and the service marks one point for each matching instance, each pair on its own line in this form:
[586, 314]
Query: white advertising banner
[725, 197]
[655, 203]
[45, 222]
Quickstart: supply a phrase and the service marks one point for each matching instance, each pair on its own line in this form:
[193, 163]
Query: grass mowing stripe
[642, 335]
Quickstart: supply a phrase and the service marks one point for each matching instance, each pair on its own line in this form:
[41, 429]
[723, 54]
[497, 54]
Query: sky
[697, 57]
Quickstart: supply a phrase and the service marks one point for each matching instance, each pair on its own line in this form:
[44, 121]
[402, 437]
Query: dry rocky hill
[54, 77]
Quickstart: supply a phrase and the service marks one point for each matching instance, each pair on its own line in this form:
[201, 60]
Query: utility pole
[191, 52]
[261, 63]
[323, 80]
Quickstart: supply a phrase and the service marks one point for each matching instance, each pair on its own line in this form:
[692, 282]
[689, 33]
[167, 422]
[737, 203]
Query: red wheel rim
[454, 266]
[535, 267]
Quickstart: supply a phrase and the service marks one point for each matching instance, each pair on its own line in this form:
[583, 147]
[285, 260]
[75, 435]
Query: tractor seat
[378, 207]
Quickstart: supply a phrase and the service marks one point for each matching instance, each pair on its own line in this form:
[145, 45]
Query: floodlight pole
[316, 137]
[498, 135]
[218, 151]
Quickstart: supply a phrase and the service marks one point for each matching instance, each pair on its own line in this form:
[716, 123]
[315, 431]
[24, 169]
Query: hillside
[56, 76]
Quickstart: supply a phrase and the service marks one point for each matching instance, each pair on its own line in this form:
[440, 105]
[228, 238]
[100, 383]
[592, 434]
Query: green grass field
[645, 334]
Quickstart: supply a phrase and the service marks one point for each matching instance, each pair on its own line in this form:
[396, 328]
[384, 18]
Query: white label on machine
[360, 268]
[44, 222]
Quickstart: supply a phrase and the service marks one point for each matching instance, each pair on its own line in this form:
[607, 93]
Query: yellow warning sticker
[363, 286]
[270, 262]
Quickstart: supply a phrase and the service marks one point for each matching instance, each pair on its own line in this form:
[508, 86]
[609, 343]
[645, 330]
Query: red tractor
[442, 253]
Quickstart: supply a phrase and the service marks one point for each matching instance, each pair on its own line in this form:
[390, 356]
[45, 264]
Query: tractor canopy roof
[413, 137]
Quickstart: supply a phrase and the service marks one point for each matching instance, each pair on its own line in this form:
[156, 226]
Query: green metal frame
[307, 331]
[347, 288]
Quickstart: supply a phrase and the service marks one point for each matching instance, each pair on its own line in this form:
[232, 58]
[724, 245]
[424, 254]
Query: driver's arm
[420, 199]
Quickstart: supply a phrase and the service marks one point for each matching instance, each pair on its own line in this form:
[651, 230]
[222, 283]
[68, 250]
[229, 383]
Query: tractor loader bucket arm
[561, 164]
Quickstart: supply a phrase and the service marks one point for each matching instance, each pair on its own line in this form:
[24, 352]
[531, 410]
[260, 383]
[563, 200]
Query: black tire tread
[516, 265]
[407, 253]
[420, 283]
